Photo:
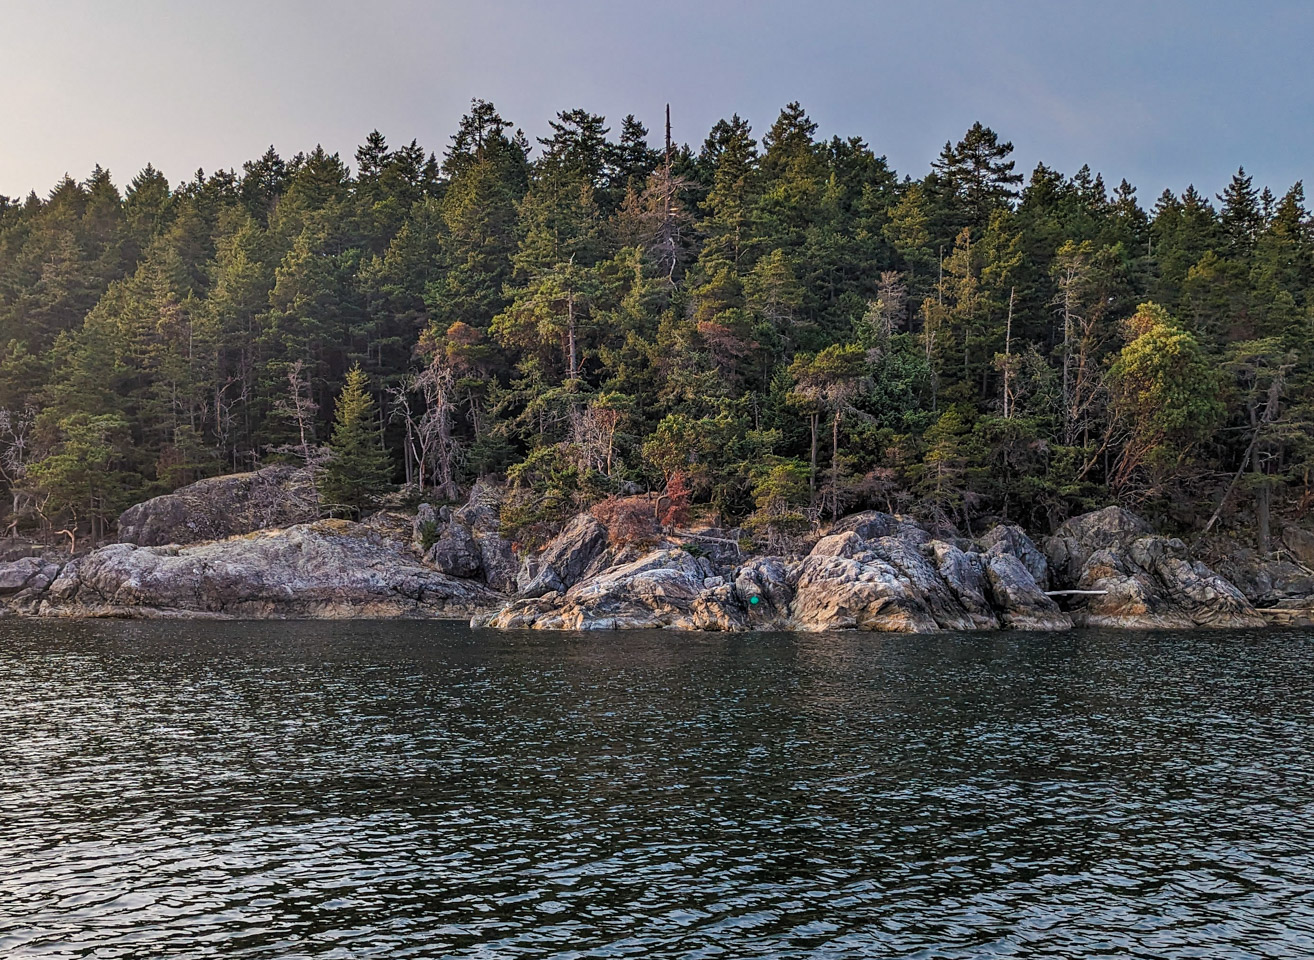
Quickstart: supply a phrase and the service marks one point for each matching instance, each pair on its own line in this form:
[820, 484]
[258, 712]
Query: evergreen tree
[601, 313]
[1240, 219]
[978, 173]
[358, 468]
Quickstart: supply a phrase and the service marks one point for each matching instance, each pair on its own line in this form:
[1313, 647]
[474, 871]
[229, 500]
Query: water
[419, 790]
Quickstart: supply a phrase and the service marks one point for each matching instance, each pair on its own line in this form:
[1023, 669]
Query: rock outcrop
[876, 573]
[1300, 543]
[872, 571]
[219, 507]
[772, 581]
[565, 560]
[1008, 539]
[901, 580]
[466, 542]
[1021, 603]
[24, 580]
[330, 569]
[456, 553]
[664, 588]
[1140, 579]
[1280, 584]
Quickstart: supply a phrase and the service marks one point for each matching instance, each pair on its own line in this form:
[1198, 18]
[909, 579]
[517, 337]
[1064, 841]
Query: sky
[1164, 94]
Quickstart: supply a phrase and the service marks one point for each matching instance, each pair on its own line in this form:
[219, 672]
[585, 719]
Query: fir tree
[358, 468]
[979, 173]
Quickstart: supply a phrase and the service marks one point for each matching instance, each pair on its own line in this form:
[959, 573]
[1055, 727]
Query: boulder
[498, 561]
[26, 577]
[842, 593]
[719, 609]
[1078, 537]
[1008, 539]
[565, 559]
[902, 583]
[1019, 600]
[465, 542]
[664, 588]
[719, 545]
[1147, 580]
[772, 581]
[456, 553]
[330, 569]
[220, 507]
[872, 525]
[847, 545]
[917, 564]
[965, 575]
[481, 512]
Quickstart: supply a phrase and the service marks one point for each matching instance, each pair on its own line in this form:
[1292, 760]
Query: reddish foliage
[675, 502]
[627, 519]
[724, 344]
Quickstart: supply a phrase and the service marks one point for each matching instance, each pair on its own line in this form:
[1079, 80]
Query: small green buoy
[754, 600]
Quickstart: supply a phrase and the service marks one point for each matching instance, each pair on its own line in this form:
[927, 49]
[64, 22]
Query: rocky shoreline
[207, 551]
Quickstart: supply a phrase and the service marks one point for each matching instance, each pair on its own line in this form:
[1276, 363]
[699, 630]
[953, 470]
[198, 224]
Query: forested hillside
[779, 327]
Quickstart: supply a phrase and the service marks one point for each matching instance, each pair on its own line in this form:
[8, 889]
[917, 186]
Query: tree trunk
[1262, 504]
[1008, 354]
[570, 331]
[1261, 487]
[834, 467]
[812, 474]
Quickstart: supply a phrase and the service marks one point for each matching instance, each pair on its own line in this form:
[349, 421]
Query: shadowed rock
[565, 559]
[1008, 539]
[1020, 602]
[665, 588]
[219, 507]
[1148, 580]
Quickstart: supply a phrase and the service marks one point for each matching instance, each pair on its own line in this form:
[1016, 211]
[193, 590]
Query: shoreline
[869, 571]
[1282, 620]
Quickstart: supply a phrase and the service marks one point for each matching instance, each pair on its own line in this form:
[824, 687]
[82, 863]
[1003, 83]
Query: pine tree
[358, 469]
[731, 153]
[979, 173]
[1240, 219]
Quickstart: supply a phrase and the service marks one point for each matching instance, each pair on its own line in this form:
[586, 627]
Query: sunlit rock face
[876, 572]
[221, 507]
[871, 572]
[331, 568]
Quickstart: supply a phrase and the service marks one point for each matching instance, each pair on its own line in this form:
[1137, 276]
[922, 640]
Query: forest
[769, 330]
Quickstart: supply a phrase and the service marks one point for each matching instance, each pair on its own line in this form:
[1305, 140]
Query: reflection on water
[419, 790]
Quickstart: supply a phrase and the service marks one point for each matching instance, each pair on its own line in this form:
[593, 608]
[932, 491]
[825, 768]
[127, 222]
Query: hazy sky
[1164, 94]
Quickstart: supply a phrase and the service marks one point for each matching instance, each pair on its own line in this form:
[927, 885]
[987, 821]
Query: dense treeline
[776, 326]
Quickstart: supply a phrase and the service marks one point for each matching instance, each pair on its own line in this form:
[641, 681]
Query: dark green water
[418, 790]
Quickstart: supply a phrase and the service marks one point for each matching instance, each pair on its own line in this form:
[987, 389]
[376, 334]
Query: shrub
[627, 519]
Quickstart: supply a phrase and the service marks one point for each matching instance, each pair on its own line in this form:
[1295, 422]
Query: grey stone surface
[222, 507]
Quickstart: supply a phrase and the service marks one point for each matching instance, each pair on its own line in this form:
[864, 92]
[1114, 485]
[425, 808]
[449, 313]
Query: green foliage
[428, 535]
[962, 343]
[1165, 394]
[82, 476]
[546, 490]
[780, 494]
[358, 469]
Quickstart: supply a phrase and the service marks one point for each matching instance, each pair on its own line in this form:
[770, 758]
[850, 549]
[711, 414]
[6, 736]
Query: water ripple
[417, 790]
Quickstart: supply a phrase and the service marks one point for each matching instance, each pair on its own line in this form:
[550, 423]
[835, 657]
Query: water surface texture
[390, 790]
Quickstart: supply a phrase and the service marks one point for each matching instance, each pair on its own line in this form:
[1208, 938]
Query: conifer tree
[358, 468]
[978, 171]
